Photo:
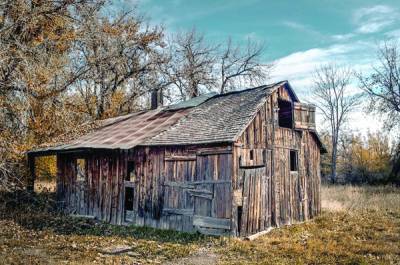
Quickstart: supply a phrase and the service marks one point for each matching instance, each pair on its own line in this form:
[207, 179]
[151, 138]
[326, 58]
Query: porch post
[30, 182]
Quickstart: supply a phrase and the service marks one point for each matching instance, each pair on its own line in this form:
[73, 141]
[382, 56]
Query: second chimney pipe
[156, 99]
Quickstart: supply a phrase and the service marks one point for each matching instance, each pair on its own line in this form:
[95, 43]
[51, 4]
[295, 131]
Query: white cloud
[343, 37]
[375, 18]
[301, 27]
[299, 67]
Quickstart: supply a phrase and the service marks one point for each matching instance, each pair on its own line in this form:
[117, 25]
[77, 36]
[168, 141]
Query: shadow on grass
[37, 212]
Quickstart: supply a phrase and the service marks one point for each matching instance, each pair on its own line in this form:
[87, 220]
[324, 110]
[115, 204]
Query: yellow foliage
[366, 159]
[46, 167]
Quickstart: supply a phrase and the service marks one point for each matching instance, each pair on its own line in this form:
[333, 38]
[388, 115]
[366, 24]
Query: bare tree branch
[331, 90]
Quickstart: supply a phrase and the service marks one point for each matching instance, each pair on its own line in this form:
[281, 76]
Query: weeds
[363, 227]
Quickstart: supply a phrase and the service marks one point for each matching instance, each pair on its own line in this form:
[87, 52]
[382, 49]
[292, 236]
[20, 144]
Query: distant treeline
[370, 159]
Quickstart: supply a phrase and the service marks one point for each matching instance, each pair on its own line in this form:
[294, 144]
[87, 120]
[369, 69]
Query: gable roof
[210, 118]
[222, 118]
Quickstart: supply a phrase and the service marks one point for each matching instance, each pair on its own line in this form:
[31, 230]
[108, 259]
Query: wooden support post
[257, 235]
[30, 182]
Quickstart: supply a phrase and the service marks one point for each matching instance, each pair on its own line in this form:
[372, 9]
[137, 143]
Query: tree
[242, 66]
[198, 66]
[192, 64]
[35, 41]
[383, 84]
[365, 159]
[331, 91]
[120, 55]
[383, 89]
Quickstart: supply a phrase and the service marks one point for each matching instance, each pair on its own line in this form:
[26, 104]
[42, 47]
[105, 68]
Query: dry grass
[45, 186]
[359, 225]
[356, 198]
[31, 233]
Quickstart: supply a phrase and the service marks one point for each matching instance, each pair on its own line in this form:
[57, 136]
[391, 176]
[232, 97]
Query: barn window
[285, 114]
[293, 160]
[264, 156]
[131, 173]
[129, 198]
[251, 154]
[80, 169]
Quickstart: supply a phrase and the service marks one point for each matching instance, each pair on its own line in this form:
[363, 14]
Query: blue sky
[300, 35]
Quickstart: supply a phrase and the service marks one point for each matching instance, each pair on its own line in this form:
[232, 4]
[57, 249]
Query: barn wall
[180, 188]
[266, 192]
[241, 188]
[99, 194]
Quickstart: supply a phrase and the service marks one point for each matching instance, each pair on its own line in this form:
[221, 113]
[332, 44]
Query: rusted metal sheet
[127, 131]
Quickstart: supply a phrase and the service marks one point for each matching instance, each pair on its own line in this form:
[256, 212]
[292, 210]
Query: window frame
[279, 113]
[81, 171]
[130, 170]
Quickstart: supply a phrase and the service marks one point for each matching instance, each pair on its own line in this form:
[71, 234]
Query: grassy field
[359, 225]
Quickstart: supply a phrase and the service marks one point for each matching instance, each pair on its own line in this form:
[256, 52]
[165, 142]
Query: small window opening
[264, 156]
[129, 198]
[131, 173]
[251, 154]
[285, 114]
[80, 169]
[293, 160]
[239, 218]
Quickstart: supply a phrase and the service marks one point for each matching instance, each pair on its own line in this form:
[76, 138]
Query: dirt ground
[359, 225]
[200, 257]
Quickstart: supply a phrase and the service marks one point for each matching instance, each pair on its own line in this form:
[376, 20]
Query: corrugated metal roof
[127, 132]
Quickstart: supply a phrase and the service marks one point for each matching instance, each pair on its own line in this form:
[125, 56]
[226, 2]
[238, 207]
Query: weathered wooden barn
[235, 163]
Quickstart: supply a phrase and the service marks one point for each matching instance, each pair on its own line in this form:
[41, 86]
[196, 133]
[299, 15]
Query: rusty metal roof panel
[125, 132]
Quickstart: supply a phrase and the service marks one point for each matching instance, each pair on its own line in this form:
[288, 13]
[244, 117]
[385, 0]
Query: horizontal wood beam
[178, 211]
[180, 158]
[214, 152]
[257, 235]
[287, 147]
[183, 185]
[212, 231]
[218, 181]
[211, 222]
[190, 184]
[252, 166]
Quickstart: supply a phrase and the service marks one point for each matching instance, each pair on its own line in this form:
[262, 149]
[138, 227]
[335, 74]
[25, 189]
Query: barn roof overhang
[208, 119]
[319, 141]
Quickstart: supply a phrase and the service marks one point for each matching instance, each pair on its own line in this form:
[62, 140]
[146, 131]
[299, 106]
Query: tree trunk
[334, 160]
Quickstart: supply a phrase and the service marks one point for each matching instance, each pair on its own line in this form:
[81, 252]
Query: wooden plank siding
[238, 188]
[172, 185]
[274, 196]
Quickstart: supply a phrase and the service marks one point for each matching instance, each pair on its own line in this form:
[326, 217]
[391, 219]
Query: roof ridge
[249, 89]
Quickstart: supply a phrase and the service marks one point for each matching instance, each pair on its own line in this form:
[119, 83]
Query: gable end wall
[272, 195]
